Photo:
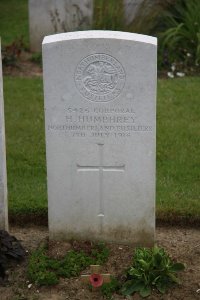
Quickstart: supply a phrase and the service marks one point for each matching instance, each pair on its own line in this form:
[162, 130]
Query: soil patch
[162, 219]
[182, 244]
[23, 67]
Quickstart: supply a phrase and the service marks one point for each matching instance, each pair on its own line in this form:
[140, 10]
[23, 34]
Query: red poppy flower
[96, 280]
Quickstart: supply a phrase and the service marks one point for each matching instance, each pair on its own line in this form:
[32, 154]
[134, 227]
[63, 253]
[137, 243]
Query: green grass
[25, 144]
[178, 147]
[14, 21]
[178, 144]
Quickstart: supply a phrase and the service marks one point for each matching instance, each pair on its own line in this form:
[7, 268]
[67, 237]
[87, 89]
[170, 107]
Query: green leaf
[177, 267]
[130, 287]
[157, 259]
[156, 279]
[161, 287]
[145, 291]
[173, 278]
[134, 272]
[144, 264]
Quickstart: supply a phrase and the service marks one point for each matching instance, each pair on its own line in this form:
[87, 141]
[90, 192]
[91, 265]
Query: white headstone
[54, 16]
[100, 102]
[3, 174]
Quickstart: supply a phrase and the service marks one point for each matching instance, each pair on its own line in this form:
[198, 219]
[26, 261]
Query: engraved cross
[101, 168]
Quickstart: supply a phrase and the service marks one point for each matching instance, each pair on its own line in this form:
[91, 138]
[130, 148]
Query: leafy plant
[12, 52]
[107, 289]
[44, 270]
[72, 264]
[37, 58]
[100, 254]
[180, 38]
[38, 269]
[152, 268]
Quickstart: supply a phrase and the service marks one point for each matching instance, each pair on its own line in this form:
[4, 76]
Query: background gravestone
[132, 8]
[54, 16]
[100, 91]
[3, 175]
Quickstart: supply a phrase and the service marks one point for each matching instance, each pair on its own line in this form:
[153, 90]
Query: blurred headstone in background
[133, 7]
[55, 16]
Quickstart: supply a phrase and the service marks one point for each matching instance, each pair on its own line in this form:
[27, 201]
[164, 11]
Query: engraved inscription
[100, 122]
[100, 77]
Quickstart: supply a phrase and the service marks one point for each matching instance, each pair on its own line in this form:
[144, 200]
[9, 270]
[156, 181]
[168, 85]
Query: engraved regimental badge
[100, 77]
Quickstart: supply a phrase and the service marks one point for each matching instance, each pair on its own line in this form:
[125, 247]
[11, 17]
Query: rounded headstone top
[99, 34]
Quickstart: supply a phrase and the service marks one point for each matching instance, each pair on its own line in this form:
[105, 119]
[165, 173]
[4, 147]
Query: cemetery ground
[177, 188]
[181, 243]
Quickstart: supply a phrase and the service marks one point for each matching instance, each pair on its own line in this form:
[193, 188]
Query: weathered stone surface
[54, 16]
[3, 174]
[100, 102]
[132, 8]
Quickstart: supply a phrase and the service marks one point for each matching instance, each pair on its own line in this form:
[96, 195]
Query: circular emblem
[99, 77]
